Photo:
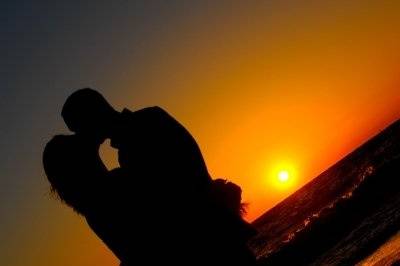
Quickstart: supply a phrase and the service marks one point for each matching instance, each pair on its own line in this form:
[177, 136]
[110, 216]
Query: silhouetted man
[149, 141]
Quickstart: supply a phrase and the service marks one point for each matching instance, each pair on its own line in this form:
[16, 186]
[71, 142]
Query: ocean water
[347, 215]
[386, 255]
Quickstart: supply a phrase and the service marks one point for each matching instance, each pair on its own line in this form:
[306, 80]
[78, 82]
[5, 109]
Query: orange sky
[304, 84]
[257, 83]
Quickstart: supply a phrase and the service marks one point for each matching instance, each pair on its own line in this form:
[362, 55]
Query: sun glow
[282, 176]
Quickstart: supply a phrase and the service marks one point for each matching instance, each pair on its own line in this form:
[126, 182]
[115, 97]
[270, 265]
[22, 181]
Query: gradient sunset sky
[261, 85]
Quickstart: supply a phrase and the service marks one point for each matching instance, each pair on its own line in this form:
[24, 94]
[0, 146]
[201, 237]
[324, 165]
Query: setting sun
[283, 176]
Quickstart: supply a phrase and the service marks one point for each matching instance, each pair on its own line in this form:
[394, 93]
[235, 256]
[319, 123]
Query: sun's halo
[282, 175]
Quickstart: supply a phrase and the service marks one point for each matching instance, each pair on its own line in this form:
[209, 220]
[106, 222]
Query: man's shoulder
[148, 118]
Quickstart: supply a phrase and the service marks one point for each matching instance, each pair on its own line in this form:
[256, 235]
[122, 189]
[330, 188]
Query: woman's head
[73, 168]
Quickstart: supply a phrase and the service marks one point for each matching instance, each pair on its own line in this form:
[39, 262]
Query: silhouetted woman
[80, 179]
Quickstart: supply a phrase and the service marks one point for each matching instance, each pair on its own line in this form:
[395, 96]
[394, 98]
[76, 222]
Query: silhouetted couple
[160, 207]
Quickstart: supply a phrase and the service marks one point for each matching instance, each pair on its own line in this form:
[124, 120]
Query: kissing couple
[160, 206]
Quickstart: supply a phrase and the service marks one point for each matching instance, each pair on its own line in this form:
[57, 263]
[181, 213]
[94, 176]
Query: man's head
[87, 112]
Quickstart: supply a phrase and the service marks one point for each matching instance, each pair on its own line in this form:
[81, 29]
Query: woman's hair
[71, 168]
[229, 196]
